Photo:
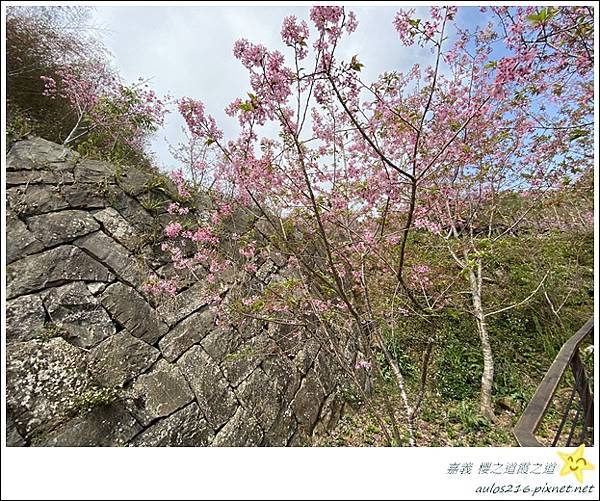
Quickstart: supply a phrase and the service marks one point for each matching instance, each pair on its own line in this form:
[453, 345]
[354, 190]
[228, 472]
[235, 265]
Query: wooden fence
[574, 405]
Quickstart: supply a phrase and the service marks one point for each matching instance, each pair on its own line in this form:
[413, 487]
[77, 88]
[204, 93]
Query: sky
[187, 51]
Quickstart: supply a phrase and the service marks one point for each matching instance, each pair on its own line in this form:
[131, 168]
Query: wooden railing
[576, 414]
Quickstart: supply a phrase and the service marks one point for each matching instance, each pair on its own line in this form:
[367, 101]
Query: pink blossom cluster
[295, 34]
[49, 86]
[180, 183]
[320, 306]
[175, 208]
[250, 267]
[271, 83]
[248, 301]
[406, 30]
[420, 275]
[248, 251]
[223, 211]
[173, 230]
[201, 125]
[411, 29]
[202, 234]
[85, 91]
[363, 364]
[515, 68]
[251, 55]
[180, 262]
[158, 287]
[428, 225]
[330, 22]
[425, 223]
[325, 16]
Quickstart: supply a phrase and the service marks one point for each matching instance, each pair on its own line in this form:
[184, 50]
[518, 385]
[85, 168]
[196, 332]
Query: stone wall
[92, 360]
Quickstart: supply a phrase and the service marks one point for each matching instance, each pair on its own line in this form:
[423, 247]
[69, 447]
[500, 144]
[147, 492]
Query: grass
[524, 347]
[152, 204]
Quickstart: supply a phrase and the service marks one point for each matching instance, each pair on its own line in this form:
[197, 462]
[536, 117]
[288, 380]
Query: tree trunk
[412, 441]
[487, 378]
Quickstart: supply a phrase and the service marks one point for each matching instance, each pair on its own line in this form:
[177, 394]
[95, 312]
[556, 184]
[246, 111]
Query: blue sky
[187, 51]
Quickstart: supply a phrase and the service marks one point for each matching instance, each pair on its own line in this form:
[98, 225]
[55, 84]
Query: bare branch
[520, 303]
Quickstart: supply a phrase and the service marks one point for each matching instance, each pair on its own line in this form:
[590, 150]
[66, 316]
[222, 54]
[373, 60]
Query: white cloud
[187, 51]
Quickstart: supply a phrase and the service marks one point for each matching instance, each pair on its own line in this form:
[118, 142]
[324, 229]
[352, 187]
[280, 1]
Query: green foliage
[243, 354]
[351, 396]
[401, 355]
[355, 64]
[119, 143]
[542, 15]
[247, 106]
[578, 133]
[19, 125]
[524, 339]
[157, 182]
[458, 366]
[102, 145]
[152, 204]
[51, 331]
[466, 415]
[96, 396]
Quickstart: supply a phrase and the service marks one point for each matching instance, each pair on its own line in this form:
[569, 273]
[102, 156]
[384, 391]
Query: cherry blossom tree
[460, 149]
[39, 40]
[116, 113]
[486, 187]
